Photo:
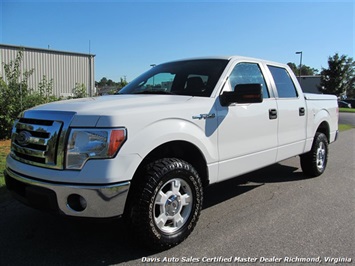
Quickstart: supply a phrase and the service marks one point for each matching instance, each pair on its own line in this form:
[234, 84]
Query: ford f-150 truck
[147, 153]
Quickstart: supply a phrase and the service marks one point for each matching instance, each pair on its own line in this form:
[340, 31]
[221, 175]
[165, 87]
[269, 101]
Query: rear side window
[284, 83]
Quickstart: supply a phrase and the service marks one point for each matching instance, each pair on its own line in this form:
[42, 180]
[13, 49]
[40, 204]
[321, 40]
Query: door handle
[272, 113]
[302, 111]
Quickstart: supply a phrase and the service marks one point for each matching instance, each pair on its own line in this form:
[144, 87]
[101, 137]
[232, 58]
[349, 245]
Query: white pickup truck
[148, 152]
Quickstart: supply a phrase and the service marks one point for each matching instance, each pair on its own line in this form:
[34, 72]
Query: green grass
[343, 127]
[347, 110]
[4, 150]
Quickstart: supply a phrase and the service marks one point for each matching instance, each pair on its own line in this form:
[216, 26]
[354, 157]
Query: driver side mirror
[243, 93]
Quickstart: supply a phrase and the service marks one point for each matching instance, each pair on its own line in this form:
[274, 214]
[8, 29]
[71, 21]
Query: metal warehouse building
[65, 68]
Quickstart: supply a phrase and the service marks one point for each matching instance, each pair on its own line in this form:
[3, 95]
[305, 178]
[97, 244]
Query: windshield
[191, 77]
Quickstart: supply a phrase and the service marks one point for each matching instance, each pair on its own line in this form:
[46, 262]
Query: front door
[247, 133]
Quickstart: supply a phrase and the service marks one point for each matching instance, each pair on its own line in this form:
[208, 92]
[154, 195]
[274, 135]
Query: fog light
[76, 202]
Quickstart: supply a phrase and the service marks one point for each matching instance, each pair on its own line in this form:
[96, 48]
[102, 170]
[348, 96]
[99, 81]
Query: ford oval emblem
[23, 138]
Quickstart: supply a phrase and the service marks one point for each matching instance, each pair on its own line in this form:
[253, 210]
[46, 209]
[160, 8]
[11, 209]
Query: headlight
[85, 144]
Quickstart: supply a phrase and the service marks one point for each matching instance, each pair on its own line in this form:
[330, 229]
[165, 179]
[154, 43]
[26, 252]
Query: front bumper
[94, 201]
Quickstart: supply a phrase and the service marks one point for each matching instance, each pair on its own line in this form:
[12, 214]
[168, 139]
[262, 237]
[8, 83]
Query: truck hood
[110, 110]
[103, 105]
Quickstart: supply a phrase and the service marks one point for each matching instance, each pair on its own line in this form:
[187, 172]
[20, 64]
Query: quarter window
[248, 73]
[284, 84]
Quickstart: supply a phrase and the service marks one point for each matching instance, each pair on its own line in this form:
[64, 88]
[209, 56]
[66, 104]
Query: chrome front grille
[35, 141]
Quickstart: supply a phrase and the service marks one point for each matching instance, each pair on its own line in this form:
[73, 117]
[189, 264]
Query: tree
[305, 70]
[351, 93]
[339, 77]
[123, 82]
[294, 68]
[108, 86]
[103, 82]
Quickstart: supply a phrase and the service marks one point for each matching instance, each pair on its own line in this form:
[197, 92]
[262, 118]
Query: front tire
[315, 161]
[167, 203]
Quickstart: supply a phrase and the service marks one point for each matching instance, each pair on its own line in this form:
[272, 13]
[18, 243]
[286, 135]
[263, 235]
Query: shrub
[80, 91]
[15, 96]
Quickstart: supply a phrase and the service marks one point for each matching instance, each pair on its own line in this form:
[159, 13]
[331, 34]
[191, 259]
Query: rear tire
[315, 161]
[166, 204]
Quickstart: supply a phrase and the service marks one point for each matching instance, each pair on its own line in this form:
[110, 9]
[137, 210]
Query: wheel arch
[321, 123]
[324, 128]
[179, 149]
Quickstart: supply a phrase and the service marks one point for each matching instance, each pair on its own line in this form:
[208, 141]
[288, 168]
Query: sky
[129, 36]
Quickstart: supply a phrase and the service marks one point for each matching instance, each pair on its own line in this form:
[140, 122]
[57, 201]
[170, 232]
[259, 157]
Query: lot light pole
[299, 72]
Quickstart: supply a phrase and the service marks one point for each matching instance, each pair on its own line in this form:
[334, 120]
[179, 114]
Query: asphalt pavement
[347, 118]
[273, 216]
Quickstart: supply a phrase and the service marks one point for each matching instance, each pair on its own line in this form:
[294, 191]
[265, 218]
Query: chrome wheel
[321, 155]
[173, 205]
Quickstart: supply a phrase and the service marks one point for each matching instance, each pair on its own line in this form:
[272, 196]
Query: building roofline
[19, 47]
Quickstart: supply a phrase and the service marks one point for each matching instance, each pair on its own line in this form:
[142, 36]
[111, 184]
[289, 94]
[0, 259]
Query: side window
[248, 73]
[284, 83]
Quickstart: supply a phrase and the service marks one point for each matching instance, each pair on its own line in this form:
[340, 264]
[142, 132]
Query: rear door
[291, 114]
